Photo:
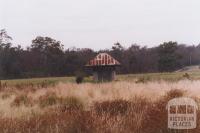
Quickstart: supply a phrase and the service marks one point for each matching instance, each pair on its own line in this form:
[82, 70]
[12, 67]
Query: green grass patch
[138, 78]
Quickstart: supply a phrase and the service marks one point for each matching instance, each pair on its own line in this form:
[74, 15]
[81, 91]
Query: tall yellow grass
[136, 100]
[89, 93]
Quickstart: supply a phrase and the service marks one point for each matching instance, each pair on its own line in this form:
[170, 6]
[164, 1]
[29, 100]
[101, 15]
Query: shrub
[139, 104]
[80, 74]
[174, 93]
[50, 122]
[70, 103]
[186, 75]
[116, 107]
[23, 86]
[156, 115]
[46, 83]
[3, 85]
[22, 100]
[142, 80]
[5, 95]
[48, 100]
[79, 79]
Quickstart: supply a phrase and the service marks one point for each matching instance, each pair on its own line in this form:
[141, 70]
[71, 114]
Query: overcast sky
[98, 24]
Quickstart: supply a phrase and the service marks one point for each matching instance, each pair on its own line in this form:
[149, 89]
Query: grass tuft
[22, 100]
[116, 107]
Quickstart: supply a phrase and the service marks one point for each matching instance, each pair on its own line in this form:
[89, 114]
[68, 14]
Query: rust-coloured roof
[103, 59]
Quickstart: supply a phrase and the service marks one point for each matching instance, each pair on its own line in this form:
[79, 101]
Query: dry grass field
[124, 106]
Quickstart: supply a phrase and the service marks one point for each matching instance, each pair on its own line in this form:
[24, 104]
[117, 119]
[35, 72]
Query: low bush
[156, 115]
[5, 95]
[79, 79]
[186, 75]
[46, 83]
[49, 122]
[174, 93]
[116, 107]
[70, 103]
[64, 103]
[48, 100]
[22, 100]
[142, 80]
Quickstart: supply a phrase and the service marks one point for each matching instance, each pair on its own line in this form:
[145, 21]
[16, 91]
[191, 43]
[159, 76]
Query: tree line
[46, 57]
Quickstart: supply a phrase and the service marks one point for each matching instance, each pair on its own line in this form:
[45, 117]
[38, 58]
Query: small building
[103, 67]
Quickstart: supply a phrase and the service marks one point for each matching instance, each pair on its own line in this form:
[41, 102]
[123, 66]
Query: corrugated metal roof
[103, 59]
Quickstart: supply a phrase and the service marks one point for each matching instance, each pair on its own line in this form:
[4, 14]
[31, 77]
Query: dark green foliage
[46, 57]
[80, 76]
[79, 79]
[168, 57]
